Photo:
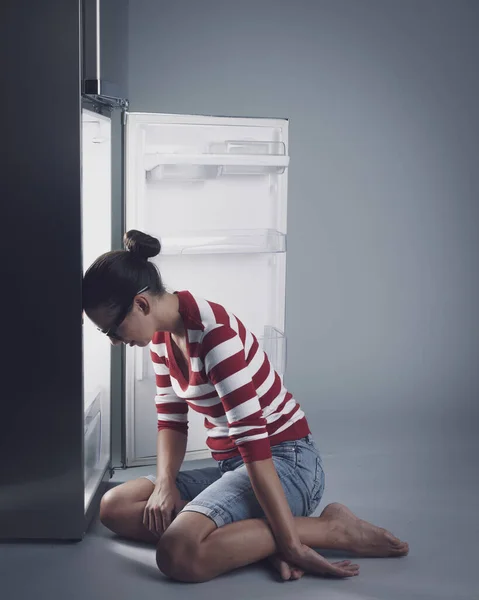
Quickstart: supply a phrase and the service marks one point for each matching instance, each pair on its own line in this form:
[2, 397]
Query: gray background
[382, 279]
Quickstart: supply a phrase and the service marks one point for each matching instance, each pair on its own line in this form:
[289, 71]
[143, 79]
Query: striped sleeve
[171, 409]
[225, 366]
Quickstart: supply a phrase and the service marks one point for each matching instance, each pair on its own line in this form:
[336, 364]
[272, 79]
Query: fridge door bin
[226, 158]
[267, 157]
[231, 241]
[189, 172]
[92, 436]
[273, 342]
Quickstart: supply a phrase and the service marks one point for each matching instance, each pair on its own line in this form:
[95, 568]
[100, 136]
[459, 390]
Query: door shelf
[221, 159]
[273, 342]
[233, 241]
[92, 433]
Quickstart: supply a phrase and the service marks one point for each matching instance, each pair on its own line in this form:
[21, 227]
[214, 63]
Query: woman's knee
[109, 508]
[182, 551]
[116, 500]
[178, 556]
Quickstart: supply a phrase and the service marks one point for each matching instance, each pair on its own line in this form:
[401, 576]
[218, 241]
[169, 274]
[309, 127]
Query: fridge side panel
[41, 470]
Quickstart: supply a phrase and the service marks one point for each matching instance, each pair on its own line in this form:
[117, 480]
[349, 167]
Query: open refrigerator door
[214, 191]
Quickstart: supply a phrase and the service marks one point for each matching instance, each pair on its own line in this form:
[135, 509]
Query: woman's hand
[162, 507]
[310, 561]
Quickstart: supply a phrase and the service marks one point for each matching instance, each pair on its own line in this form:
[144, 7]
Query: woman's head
[119, 290]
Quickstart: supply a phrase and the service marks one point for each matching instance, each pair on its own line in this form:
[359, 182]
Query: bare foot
[285, 570]
[351, 533]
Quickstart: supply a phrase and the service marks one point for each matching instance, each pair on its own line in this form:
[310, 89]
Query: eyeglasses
[111, 332]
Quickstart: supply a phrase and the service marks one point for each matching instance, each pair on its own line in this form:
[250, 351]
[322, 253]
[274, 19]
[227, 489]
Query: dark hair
[115, 278]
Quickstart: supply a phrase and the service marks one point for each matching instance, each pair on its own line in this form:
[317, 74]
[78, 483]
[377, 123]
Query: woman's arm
[172, 419]
[170, 452]
[226, 367]
[270, 494]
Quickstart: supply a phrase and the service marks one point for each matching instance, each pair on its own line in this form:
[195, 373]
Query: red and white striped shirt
[247, 409]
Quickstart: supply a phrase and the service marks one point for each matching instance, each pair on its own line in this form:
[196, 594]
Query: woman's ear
[143, 304]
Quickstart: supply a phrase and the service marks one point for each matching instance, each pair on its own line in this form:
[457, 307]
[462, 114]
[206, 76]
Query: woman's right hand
[310, 561]
[162, 507]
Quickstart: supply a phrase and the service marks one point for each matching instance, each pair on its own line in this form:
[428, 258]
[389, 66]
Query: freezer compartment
[230, 241]
[93, 437]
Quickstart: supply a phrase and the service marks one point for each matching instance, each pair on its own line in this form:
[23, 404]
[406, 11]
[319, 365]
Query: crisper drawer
[92, 433]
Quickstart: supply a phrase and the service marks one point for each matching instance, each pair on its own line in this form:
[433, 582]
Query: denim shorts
[224, 493]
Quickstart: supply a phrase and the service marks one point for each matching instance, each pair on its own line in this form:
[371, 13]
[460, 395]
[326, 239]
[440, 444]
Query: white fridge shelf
[239, 241]
[225, 158]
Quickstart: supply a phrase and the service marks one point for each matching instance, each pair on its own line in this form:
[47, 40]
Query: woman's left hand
[310, 561]
[287, 570]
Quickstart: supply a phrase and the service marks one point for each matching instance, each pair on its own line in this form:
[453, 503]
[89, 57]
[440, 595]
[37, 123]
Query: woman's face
[136, 329]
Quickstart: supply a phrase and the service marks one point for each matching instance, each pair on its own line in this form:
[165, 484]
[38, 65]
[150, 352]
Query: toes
[285, 571]
[401, 550]
[281, 566]
[393, 540]
[296, 573]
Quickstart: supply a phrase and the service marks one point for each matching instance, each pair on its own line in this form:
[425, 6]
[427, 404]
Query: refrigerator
[64, 63]
[213, 189]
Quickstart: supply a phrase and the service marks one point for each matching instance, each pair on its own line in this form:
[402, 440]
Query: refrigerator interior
[96, 239]
[214, 190]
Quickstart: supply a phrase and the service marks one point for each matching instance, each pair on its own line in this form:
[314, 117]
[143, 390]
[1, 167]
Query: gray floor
[415, 474]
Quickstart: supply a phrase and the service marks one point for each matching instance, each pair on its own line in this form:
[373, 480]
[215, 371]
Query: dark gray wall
[382, 284]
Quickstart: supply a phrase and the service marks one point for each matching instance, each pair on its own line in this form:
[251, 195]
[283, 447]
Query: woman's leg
[122, 508]
[193, 549]
[214, 551]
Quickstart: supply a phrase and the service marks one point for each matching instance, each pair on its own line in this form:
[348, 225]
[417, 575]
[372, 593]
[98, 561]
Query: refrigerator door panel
[41, 471]
[214, 190]
[96, 239]
[104, 32]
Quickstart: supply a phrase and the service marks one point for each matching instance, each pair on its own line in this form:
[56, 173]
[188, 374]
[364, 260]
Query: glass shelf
[239, 241]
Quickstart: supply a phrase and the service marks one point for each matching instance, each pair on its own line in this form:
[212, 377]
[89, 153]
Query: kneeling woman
[269, 476]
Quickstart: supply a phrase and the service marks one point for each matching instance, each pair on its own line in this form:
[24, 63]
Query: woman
[269, 476]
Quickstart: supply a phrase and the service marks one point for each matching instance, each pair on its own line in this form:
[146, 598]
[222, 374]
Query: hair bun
[141, 244]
